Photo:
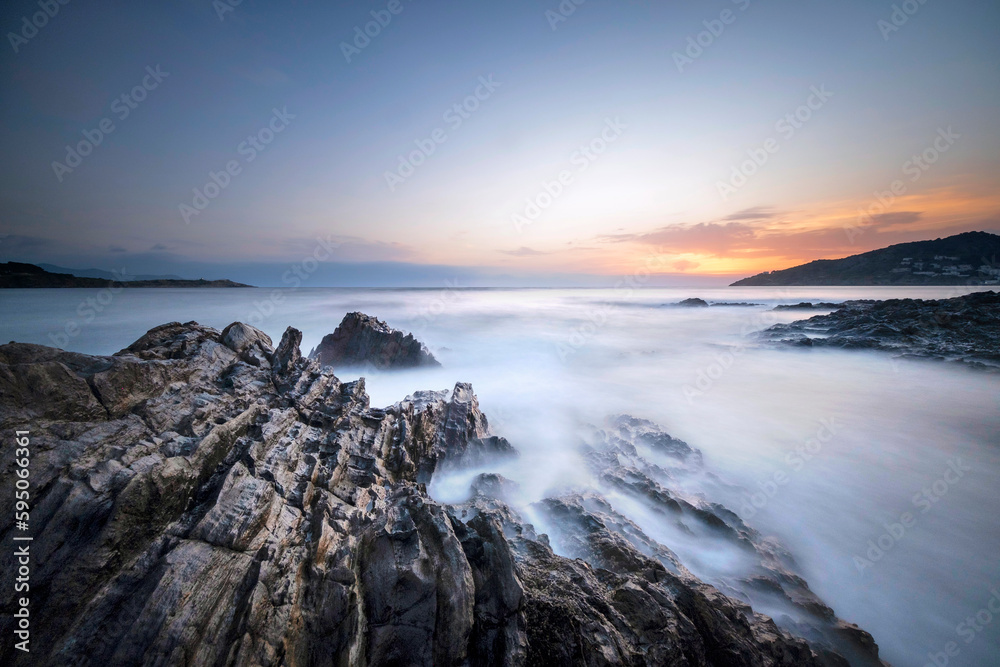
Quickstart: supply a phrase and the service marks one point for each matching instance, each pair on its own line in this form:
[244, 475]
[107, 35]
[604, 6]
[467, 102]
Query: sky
[412, 142]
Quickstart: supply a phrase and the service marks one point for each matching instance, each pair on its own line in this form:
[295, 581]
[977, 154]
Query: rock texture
[362, 340]
[964, 329]
[200, 498]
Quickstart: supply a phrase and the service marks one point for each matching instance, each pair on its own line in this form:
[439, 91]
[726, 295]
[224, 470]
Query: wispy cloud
[524, 251]
[754, 213]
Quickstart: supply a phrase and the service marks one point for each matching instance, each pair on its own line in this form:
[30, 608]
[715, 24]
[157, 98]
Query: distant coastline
[17, 275]
[963, 259]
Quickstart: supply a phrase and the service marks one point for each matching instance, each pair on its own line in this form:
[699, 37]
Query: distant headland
[19, 275]
[963, 259]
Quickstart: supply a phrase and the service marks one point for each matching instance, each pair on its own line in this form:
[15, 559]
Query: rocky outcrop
[964, 329]
[201, 499]
[809, 305]
[363, 340]
[694, 302]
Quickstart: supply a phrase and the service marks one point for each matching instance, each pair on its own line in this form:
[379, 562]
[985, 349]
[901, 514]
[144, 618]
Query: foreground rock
[964, 329]
[363, 340]
[201, 498]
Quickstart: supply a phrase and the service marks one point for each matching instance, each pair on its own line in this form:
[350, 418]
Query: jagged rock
[362, 340]
[253, 345]
[191, 506]
[288, 355]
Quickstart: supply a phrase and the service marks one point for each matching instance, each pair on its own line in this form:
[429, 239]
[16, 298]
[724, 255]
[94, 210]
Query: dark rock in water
[808, 305]
[693, 303]
[200, 500]
[964, 329]
[361, 340]
[744, 304]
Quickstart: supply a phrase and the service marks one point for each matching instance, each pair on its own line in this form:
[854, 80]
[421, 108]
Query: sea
[825, 450]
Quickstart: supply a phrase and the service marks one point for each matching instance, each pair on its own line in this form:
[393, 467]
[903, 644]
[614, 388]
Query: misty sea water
[858, 438]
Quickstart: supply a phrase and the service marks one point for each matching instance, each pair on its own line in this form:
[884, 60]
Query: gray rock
[964, 329]
[362, 340]
[191, 506]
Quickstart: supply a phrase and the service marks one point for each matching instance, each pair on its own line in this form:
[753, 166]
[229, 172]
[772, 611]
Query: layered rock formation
[964, 329]
[201, 498]
[362, 340]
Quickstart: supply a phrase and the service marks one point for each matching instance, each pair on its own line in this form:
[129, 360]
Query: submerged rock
[200, 500]
[693, 303]
[361, 340]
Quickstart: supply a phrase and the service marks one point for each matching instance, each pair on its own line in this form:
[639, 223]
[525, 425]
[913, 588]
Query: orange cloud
[762, 238]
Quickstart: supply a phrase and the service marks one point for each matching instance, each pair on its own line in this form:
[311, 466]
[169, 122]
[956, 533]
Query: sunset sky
[360, 147]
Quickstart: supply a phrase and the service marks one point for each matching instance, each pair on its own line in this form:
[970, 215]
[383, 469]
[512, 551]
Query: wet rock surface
[363, 340]
[963, 329]
[201, 498]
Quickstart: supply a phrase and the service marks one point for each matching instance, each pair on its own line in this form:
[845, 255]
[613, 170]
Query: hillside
[109, 275]
[969, 258]
[19, 275]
